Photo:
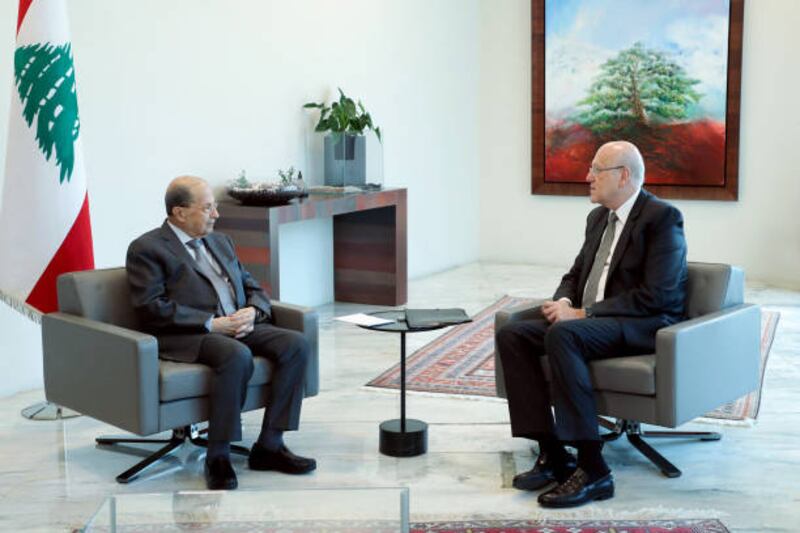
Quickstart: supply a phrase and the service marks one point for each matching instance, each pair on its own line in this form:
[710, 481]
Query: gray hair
[629, 155]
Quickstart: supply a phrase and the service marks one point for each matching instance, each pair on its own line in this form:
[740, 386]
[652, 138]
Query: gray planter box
[345, 160]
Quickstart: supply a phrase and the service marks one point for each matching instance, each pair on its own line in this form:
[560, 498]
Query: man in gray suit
[192, 293]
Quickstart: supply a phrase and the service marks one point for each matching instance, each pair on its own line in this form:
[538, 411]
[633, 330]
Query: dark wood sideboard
[369, 242]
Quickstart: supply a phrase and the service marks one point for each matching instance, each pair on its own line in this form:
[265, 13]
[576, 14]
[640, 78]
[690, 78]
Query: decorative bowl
[264, 197]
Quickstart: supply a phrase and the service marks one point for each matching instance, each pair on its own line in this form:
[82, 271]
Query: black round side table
[401, 437]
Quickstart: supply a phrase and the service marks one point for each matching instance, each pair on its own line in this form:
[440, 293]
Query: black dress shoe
[282, 460]
[544, 472]
[220, 475]
[578, 490]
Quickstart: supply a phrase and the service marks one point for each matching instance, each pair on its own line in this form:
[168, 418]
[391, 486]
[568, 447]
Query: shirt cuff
[208, 323]
[565, 299]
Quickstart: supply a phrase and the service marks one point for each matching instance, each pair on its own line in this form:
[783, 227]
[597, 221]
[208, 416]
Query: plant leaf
[344, 117]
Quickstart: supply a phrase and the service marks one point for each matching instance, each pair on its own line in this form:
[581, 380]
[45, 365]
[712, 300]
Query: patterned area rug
[462, 362]
[573, 526]
[482, 526]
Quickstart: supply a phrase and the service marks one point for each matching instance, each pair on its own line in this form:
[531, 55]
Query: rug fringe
[448, 395]
[28, 311]
[745, 423]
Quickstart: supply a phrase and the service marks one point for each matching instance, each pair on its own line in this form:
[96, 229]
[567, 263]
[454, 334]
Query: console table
[369, 242]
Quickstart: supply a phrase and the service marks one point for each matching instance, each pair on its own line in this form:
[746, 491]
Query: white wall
[211, 87]
[760, 232]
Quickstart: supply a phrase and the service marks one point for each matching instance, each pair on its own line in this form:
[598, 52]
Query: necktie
[600, 260]
[221, 286]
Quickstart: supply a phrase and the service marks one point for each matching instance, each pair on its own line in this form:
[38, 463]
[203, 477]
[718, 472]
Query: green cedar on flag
[44, 209]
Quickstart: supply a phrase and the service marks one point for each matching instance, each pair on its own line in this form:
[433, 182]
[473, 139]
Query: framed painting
[662, 74]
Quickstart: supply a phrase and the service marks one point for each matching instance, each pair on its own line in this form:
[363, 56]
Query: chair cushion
[178, 381]
[635, 374]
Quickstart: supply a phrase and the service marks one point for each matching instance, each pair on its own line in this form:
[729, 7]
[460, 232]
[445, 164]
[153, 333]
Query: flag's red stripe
[23, 9]
[75, 253]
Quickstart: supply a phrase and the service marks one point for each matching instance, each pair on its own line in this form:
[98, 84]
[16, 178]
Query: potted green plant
[345, 144]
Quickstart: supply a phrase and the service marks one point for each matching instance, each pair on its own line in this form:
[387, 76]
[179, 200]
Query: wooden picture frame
[726, 191]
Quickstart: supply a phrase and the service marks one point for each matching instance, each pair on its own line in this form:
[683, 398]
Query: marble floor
[52, 477]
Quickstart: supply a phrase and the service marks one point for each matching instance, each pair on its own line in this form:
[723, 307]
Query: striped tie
[221, 286]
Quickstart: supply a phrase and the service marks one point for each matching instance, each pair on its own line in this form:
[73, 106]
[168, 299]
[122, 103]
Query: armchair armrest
[306, 321]
[102, 370]
[501, 318]
[707, 361]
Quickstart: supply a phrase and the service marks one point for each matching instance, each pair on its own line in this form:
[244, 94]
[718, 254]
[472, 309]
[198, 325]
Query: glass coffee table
[383, 510]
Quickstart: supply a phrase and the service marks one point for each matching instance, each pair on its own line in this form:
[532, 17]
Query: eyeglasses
[594, 171]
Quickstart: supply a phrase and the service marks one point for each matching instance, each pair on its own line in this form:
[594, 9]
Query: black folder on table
[427, 318]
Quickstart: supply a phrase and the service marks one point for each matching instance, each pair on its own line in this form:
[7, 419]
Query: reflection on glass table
[352, 510]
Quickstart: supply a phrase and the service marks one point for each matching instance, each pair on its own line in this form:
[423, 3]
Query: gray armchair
[97, 363]
[699, 364]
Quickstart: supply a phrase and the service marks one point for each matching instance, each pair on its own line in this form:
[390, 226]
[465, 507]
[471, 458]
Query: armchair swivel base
[179, 437]
[633, 431]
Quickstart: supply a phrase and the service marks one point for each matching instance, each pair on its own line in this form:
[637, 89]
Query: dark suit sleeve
[255, 295]
[661, 289]
[146, 279]
[568, 288]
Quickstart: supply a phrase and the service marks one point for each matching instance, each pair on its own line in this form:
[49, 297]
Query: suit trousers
[231, 361]
[570, 346]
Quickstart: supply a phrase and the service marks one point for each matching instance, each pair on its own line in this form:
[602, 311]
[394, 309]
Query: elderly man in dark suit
[193, 294]
[628, 281]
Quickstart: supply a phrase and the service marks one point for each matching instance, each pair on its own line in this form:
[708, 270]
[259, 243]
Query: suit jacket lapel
[625, 236]
[176, 247]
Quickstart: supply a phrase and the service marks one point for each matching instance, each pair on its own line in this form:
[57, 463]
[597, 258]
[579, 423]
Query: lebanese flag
[44, 210]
